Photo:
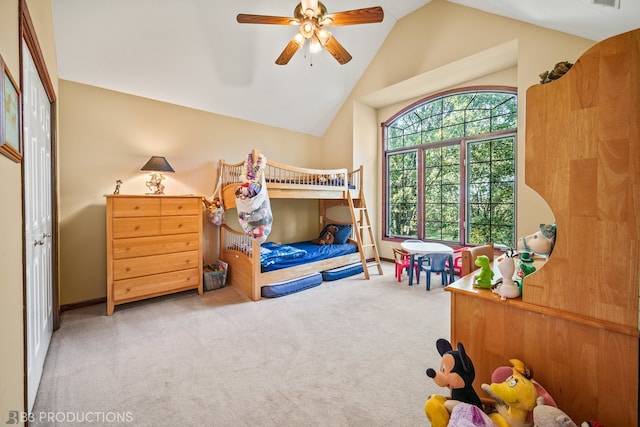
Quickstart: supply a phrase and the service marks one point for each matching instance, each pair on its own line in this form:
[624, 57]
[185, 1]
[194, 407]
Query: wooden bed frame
[283, 182]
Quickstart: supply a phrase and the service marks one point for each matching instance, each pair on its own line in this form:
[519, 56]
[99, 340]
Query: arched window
[450, 168]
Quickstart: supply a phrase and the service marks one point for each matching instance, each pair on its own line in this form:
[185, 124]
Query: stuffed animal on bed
[328, 237]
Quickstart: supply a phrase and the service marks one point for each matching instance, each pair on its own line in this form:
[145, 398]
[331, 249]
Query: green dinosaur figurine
[484, 278]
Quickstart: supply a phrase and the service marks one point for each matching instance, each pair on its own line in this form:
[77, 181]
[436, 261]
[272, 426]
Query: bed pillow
[341, 236]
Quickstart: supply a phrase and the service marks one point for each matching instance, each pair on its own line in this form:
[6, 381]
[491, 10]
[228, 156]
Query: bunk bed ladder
[363, 232]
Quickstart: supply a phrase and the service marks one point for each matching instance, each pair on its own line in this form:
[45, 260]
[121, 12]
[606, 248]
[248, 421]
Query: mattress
[342, 272]
[313, 253]
[291, 286]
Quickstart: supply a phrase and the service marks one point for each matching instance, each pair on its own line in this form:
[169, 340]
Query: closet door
[38, 222]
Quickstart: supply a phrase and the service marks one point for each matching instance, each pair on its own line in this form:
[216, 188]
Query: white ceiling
[193, 52]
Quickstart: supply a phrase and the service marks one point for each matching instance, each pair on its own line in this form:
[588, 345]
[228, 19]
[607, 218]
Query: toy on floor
[516, 396]
[457, 373]
[484, 278]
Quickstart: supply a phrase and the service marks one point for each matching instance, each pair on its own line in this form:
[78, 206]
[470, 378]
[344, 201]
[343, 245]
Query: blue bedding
[272, 253]
[311, 253]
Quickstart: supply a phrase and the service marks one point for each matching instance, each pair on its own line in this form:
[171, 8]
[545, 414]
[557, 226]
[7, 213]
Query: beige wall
[423, 55]
[11, 288]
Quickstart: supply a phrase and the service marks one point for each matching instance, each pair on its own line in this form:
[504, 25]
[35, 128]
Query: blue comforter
[271, 253]
[298, 253]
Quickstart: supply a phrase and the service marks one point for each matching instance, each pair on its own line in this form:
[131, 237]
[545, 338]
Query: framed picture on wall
[10, 134]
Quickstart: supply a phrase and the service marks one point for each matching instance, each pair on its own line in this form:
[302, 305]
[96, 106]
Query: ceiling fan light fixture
[323, 36]
[299, 39]
[307, 28]
[314, 45]
[325, 21]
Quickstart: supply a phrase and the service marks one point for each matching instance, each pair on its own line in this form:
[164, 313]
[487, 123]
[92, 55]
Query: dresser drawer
[144, 266]
[180, 206]
[135, 227]
[180, 224]
[156, 245]
[157, 284]
[136, 206]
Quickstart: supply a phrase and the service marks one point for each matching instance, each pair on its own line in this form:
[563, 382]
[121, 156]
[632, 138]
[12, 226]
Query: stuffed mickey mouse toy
[457, 374]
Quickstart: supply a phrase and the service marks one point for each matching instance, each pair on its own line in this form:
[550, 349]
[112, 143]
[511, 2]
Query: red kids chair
[403, 262]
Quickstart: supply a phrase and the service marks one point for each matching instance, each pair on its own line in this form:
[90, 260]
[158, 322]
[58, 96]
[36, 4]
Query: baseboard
[81, 304]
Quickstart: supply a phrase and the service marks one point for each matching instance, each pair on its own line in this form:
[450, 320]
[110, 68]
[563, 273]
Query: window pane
[479, 172]
[432, 136]
[490, 177]
[491, 205]
[393, 143]
[442, 193]
[412, 139]
[478, 127]
[451, 132]
[401, 195]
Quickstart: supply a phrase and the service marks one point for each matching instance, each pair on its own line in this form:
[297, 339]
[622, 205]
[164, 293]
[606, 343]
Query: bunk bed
[333, 187]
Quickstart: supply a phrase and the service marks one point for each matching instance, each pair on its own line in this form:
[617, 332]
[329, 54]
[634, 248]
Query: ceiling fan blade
[336, 49]
[244, 18]
[292, 47]
[368, 15]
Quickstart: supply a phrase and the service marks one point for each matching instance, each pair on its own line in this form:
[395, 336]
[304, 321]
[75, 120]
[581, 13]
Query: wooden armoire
[576, 323]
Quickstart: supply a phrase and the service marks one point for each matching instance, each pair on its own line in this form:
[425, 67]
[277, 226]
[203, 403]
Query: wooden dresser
[576, 324]
[153, 246]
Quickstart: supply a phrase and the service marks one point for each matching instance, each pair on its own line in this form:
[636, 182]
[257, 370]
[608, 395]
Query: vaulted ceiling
[194, 53]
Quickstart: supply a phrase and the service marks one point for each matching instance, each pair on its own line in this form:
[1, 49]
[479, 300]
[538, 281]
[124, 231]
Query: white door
[38, 216]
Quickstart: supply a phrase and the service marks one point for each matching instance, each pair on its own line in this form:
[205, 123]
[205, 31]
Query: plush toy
[558, 71]
[484, 278]
[328, 237]
[457, 373]
[516, 396]
[507, 287]
[214, 209]
[467, 415]
[541, 242]
[523, 271]
[500, 375]
[550, 416]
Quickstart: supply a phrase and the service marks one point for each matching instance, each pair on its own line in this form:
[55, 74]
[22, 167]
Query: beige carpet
[346, 353]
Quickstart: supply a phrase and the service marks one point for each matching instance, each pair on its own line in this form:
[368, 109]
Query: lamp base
[155, 184]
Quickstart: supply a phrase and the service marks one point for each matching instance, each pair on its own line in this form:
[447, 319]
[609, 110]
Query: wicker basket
[215, 278]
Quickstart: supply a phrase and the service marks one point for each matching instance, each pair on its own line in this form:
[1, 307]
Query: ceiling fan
[312, 17]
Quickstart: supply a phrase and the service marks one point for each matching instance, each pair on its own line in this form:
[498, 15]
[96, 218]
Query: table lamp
[157, 165]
